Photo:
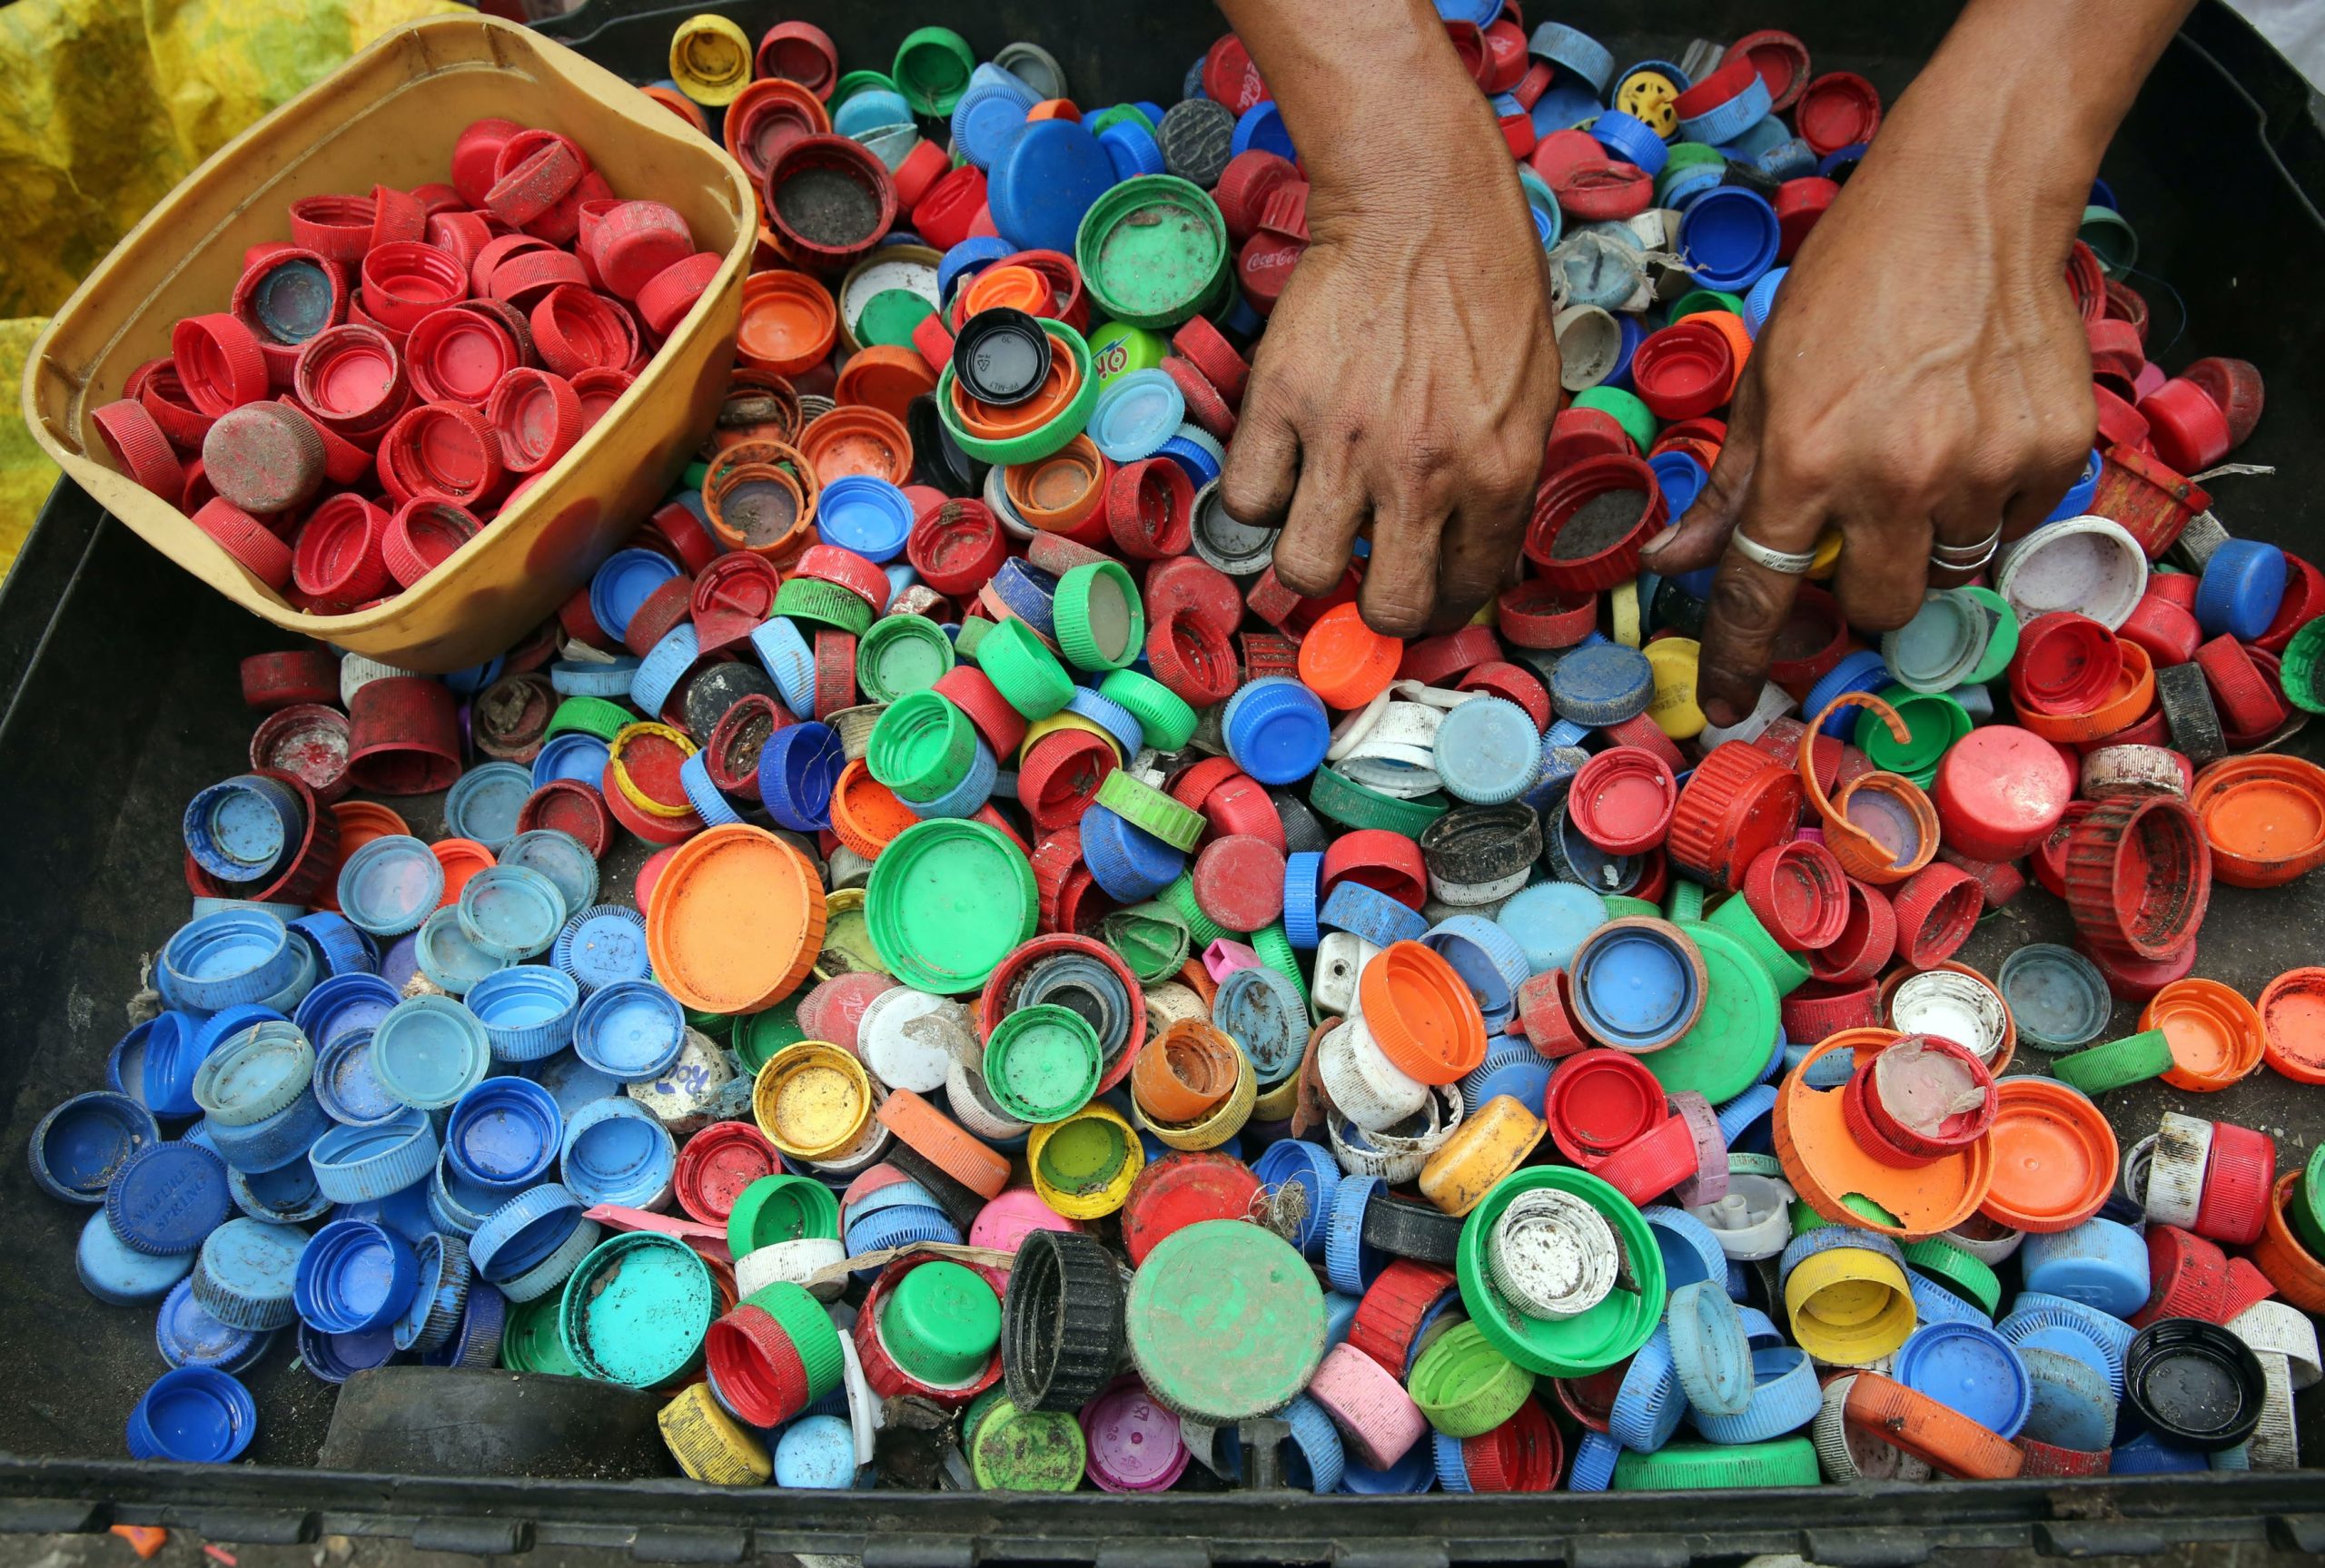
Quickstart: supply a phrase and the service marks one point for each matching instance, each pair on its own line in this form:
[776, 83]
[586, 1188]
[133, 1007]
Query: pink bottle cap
[1008, 1220]
[1134, 1443]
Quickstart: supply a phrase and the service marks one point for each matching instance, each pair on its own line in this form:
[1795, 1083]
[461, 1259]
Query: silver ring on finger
[1967, 557]
[1791, 563]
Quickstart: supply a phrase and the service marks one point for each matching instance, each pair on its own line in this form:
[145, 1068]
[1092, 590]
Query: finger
[1262, 463]
[1702, 533]
[1970, 522]
[1320, 527]
[1400, 591]
[2040, 490]
[1749, 602]
[1885, 564]
[1478, 548]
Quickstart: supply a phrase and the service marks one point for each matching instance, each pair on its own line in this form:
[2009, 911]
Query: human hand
[1407, 379]
[1923, 381]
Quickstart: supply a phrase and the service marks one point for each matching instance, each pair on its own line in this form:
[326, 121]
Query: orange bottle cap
[2292, 1024]
[2216, 1036]
[1346, 662]
[1422, 1013]
[736, 920]
[2055, 1156]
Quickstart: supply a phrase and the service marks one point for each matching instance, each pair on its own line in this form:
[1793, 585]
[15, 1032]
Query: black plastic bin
[122, 700]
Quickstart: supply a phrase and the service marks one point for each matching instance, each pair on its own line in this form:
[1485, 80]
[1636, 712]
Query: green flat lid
[2001, 637]
[1933, 721]
[1571, 1346]
[889, 317]
[1083, 1155]
[1043, 1062]
[1636, 420]
[759, 1035]
[922, 745]
[1153, 250]
[1713, 1467]
[783, 1208]
[940, 1323]
[1151, 938]
[637, 1310]
[1226, 1320]
[1722, 1055]
[1014, 1450]
[947, 901]
[901, 655]
[529, 1340]
[932, 69]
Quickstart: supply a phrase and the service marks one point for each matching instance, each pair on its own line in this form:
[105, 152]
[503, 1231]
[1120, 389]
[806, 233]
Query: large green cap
[940, 1323]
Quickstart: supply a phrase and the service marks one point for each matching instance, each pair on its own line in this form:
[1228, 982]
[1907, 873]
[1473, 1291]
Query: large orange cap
[1825, 1166]
[1422, 1013]
[1346, 662]
[885, 377]
[859, 439]
[787, 325]
[2055, 1156]
[2216, 1037]
[735, 922]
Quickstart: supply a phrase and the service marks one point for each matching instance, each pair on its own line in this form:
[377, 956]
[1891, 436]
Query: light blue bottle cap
[484, 802]
[187, 1336]
[1487, 750]
[618, 1151]
[2099, 1263]
[388, 885]
[235, 956]
[450, 957]
[1639, 985]
[114, 1274]
[593, 678]
[527, 1011]
[504, 1132]
[244, 1273]
[1550, 920]
[571, 756]
[558, 855]
[863, 513]
[603, 946]
[368, 1164]
[350, 1091]
[512, 911]
[429, 1051]
[1135, 414]
[631, 1031]
[625, 582]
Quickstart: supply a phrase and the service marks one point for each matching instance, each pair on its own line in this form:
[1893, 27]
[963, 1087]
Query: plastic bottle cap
[2055, 1157]
[1001, 357]
[736, 920]
[941, 1321]
[1221, 1356]
[1638, 984]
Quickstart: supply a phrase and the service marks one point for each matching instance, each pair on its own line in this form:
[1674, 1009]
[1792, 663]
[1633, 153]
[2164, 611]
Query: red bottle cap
[336, 226]
[575, 331]
[1799, 893]
[1838, 109]
[1210, 352]
[1522, 687]
[273, 681]
[445, 449]
[536, 415]
[1239, 881]
[2248, 706]
[2066, 665]
[339, 559]
[475, 154]
[1385, 862]
[423, 533]
[2235, 387]
[1798, 205]
[2237, 1174]
[969, 689]
[2139, 875]
[1738, 804]
[265, 457]
[1206, 410]
[671, 293]
[1601, 1099]
[1435, 661]
[634, 240]
[135, 442]
[1622, 800]
[1534, 614]
[1935, 909]
[1821, 1009]
[406, 280]
[403, 737]
[573, 807]
[1999, 790]
[1251, 177]
[532, 173]
[1868, 940]
[1059, 776]
[1684, 370]
[2188, 430]
[218, 361]
[1546, 1015]
[253, 545]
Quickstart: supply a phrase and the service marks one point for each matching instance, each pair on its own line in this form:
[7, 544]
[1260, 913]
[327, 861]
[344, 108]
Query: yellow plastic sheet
[105, 105]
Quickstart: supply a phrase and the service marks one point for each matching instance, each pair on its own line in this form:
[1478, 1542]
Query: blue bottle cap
[1029, 593]
[1638, 986]
[865, 513]
[1649, 1403]
[1277, 730]
[2099, 1262]
[571, 1082]
[1785, 1398]
[1261, 127]
[1764, 135]
[504, 1132]
[336, 1357]
[2076, 502]
[632, 1031]
[663, 667]
[439, 1298]
[1292, 1161]
[1689, 185]
[2059, 997]
[1834, 1238]
[1129, 865]
[342, 1005]
[1196, 452]
[388, 885]
[1790, 159]
[869, 111]
[471, 679]
[1723, 123]
[219, 961]
[1602, 684]
[1370, 913]
[187, 1336]
[145, 1064]
[2070, 1405]
[1760, 298]
[1488, 961]
[1350, 1260]
[1131, 150]
[987, 120]
[2243, 583]
[429, 1051]
[284, 1196]
[1631, 139]
[524, 1231]
[1934, 1303]
[1107, 713]
[256, 1073]
[1970, 1369]
[450, 957]
[1487, 750]
[338, 946]
[618, 1151]
[79, 1148]
[593, 678]
[354, 1275]
[1861, 671]
[1729, 238]
[1263, 1011]
[484, 802]
[625, 582]
[908, 1224]
[119, 1276]
[243, 1273]
[1550, 920]
[603, 946]
[1690, 1251]
[1839, 164]
[1745, 1115]
[1515, 1069]
[1135, 414]
[194, 1416]
[571, 756]
[241, 830]
[1709, 1350]
[558, 855]
[1574, 52]
[1303, 877]
[476, 1341]
[511, 912]
[969, 257]
[527, 1010]
[797, 768]
[1045, 182]
[167, 1196]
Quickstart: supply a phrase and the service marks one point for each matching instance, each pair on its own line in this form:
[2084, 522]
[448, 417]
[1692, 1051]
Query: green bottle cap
[1968, 1277]
[1167, 718]
[1118, 347]
[781, 1209]
[2299, 674]
[803, 1317]
[1226, 1320]
[1085, 1155]
[1336, 796]
[889, 317]
[1149, 810]
[1043, 1062]
[1202, 929]
[589, 717]
[1697, 300]
[1621, 904]
[2131, 1060]
[971, 637]
[851, 83]
[1151, 938]
[948, 900]
[1153, 251]
[821, 603]
[1046, 439]
[1026, 673]
[1101, 623]
[1713, 1467]
[1570, 1346]
[759, 1035]
[529, 1341]
[932, 69]
[2307, 1207]
[1109, 118]
[1934, 722]
[902, 654]
[1863, 1208]
[1014, 1450]
[1625, 409]
[940, 1323]
[922, 746]
[1786, 970]
[637, 1310]
[1687, 901]
[2002, 638]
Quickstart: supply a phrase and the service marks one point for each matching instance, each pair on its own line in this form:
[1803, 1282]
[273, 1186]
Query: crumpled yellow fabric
[105, 105]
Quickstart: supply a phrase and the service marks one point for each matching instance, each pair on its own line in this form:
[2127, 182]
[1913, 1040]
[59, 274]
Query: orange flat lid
[461, 859]
[1061, 489]
[930, 1133]
[1824, 1164]
[859, 439]
[734, 923]
[886, 377]
[1421, 1013]
[2263, 812]
[2214, 1033]
[866, 813]
[1346, 662]
[2055, 1156]
[362, 820]
[1013, 285]
[788, 324]
[2292, 1024]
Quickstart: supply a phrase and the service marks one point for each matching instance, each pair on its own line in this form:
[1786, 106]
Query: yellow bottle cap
[812, 1100]
[1222, 1123]
[629, 735]
[1083, 1166]
[709, 1444]
[710, 60]
[1494, 1141]
[1277, 1103]
[1673, 704]
[1828, 557]
[1063, 720]
[1622, 612]
[1849, 1306]
[849, 947]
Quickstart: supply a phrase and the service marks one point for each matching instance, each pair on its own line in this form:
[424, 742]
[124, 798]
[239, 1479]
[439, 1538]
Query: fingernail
[1655, 545]
[1720, 714]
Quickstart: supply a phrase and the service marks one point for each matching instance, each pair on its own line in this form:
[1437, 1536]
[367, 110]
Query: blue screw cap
[1277, 730]
[167, 1196]
[194, 1416]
